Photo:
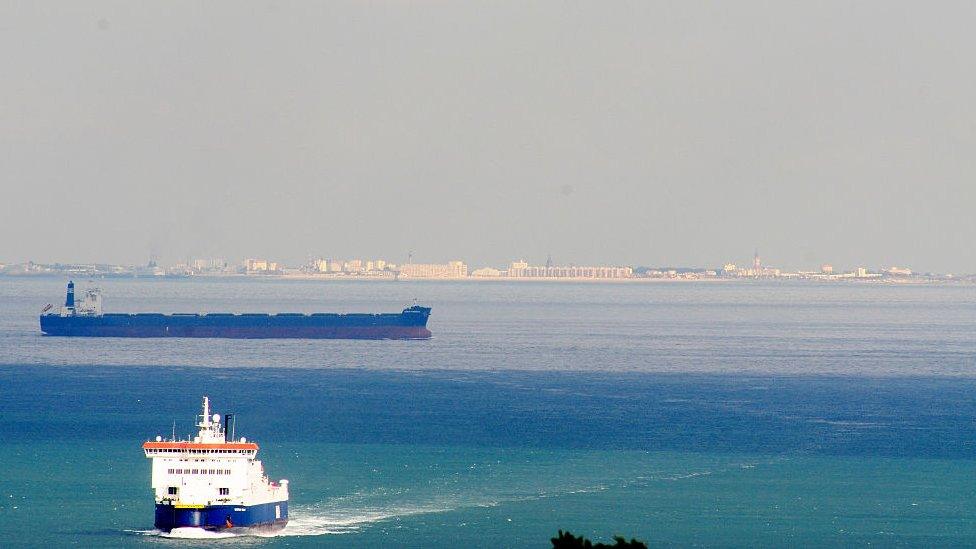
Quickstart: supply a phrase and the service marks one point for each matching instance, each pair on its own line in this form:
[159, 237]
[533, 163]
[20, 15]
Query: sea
[683, 414]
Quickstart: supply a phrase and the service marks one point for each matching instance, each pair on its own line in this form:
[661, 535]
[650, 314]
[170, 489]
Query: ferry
[214, 482]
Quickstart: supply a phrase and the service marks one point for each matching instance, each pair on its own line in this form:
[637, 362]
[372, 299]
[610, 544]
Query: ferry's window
[220, 471]
[226, 471]
[225, 491]
[172, 490]
[212, 471]
[171, 471]
[195, 472]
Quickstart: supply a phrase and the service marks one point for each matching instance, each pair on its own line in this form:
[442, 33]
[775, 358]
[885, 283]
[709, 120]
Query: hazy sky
[643, 133]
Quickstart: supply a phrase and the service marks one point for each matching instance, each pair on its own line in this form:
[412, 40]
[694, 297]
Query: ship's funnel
[69, 301]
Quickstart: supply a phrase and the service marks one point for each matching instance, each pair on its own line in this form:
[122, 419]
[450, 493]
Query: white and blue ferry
[214, 482]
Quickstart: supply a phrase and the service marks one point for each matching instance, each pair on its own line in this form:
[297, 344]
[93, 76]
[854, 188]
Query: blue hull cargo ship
[87, 320]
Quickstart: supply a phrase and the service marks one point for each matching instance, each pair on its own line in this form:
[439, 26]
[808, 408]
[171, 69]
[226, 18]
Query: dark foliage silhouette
[566, 540]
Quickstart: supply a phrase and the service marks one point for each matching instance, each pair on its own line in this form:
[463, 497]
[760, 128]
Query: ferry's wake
[183, 533]
[360, 511]
[317, 520]
[195, 533]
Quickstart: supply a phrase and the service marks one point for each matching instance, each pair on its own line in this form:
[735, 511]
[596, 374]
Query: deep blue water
[681, 414]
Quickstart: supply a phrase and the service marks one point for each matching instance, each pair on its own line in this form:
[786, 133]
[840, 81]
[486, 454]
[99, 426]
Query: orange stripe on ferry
[199, 446]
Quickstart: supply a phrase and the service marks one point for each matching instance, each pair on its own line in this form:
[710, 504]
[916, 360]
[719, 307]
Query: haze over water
[712, 414]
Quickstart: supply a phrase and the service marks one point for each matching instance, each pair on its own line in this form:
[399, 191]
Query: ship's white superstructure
[213, 474]
[91, 303]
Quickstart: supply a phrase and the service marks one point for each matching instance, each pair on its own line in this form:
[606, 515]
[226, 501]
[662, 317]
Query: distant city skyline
[600, 133]
[372, 266]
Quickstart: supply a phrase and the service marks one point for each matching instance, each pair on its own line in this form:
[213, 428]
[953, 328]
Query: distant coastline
[915, 281]
[519, 271]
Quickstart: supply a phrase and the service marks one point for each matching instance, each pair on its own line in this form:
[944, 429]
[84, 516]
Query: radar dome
[243, 439]
[159, 438]
[217, 418]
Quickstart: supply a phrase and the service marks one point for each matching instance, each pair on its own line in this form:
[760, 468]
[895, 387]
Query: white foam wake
[194, 533]
[320, 520]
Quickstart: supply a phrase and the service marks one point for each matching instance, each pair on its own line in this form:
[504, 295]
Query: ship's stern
[268, 517]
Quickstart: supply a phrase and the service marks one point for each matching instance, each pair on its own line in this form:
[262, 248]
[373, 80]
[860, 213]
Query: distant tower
[549, 265]
[757, 264]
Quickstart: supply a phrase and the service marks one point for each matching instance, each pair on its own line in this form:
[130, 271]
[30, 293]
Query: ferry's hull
[265, 516]
[410, 324]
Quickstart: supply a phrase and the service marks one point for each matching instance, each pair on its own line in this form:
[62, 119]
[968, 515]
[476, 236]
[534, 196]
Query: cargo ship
[214, 482]
[86, 319]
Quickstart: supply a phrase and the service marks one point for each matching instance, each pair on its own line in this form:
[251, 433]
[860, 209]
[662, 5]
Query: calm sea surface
[708, 414]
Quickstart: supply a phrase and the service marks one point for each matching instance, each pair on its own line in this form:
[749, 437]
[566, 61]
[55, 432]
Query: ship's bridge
[211, 439]
[227, 449]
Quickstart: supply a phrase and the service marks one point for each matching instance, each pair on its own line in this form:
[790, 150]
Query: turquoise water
[711, 415]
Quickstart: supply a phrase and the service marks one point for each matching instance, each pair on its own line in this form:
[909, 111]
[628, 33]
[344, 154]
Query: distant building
[451, 269]
[517, 268]
[898, 271]
[486, 272]
[316, 266]
[260, 266]
[827, 269]
[213, 264]
[521, 269]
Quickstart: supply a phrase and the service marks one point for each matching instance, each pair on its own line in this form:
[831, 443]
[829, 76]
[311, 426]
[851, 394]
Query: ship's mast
[210, 428]
[206, 413]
